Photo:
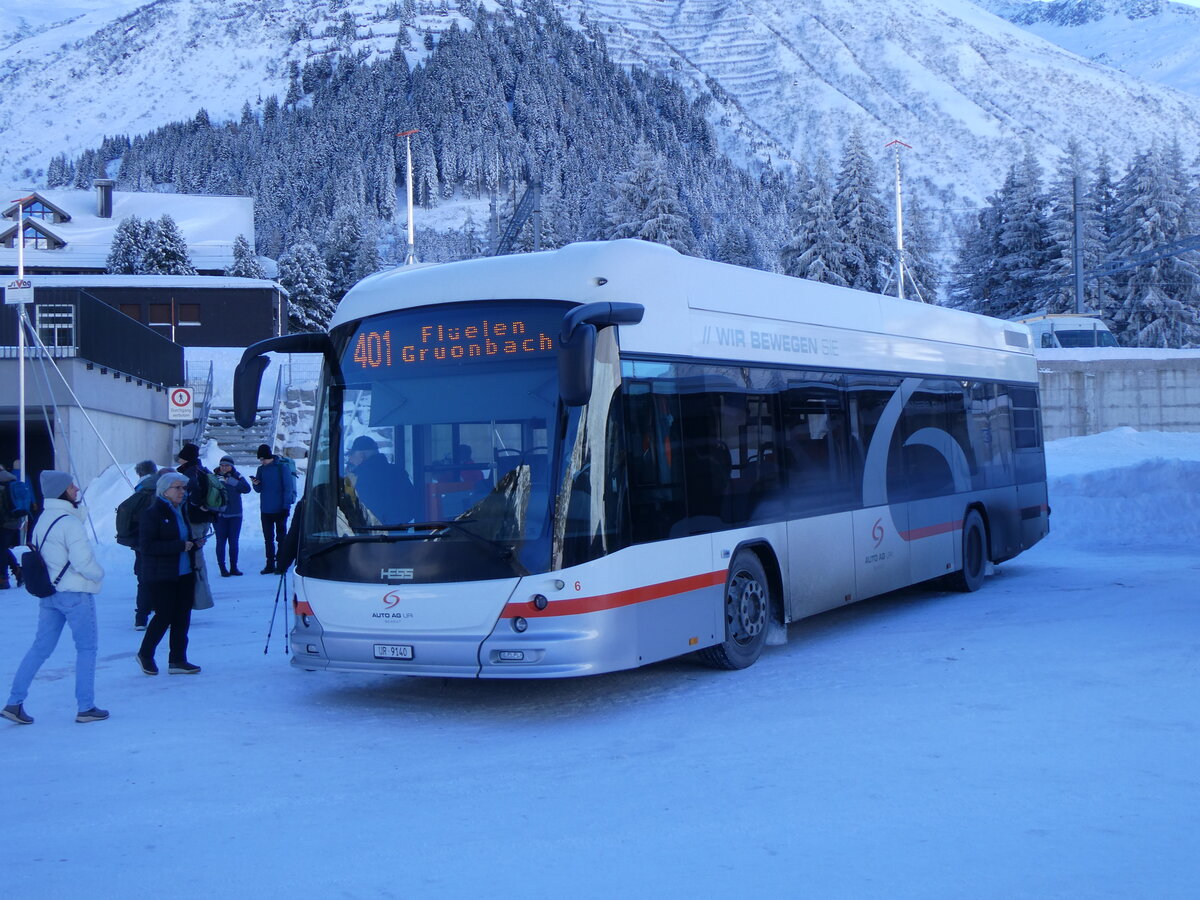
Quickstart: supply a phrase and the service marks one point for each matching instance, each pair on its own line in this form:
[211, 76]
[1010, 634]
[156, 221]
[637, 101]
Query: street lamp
[896, 145]
[412, 246]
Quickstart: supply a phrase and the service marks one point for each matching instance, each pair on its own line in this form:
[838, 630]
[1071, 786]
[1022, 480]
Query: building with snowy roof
[70, 232]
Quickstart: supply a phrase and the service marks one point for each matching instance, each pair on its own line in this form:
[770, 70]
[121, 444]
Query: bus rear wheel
[747, 615]
[974, 554]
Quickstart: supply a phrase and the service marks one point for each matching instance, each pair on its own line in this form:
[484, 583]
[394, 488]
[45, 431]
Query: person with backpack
[276, 482]
[11, 519]
[62, 541]
[229, 519]
[202, 503]
[170, 559]
[128, 514]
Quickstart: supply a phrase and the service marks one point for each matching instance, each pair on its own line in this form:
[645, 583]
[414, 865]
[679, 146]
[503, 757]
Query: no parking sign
[179, 404]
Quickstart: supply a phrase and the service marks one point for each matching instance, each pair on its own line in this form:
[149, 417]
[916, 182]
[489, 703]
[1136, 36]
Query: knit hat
[264, 452]
[362, 442]
[55, 483]
[189, 453]
[227, 459]
[166, 480]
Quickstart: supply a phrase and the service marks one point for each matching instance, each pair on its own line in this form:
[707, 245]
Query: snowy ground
[1036, 739]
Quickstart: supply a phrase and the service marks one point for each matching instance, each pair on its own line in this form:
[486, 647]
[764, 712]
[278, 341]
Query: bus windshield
[432, 457]
[1092, 337]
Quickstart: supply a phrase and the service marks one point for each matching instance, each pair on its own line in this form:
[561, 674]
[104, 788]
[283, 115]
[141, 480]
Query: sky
[1036, 738]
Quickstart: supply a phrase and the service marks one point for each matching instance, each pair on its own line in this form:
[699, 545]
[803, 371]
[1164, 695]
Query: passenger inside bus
[382, 490]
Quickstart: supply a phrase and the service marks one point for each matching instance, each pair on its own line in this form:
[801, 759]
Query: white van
[1068, 330]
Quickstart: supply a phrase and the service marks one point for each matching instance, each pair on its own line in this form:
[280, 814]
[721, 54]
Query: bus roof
[699, 308]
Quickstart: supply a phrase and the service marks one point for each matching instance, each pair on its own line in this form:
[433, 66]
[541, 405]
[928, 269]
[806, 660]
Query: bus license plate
[393, 651]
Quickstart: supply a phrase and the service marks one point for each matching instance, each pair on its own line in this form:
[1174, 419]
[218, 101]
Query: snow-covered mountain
[964, 87]
[1154, 40]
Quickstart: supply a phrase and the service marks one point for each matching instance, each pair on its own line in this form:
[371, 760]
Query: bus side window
[1029, 459]
[867, 396]
[653, 459]
[815, 446]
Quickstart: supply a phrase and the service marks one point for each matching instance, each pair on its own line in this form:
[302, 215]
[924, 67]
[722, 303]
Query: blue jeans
[72, 608]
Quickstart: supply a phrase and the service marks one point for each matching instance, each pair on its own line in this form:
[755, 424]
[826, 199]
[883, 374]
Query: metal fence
[73, 323]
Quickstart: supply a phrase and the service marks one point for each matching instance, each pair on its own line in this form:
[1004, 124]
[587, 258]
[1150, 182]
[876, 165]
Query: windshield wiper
[505, 550]
[347, 539]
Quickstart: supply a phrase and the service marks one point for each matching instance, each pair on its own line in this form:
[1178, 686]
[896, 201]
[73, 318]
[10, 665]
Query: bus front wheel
[974, 554]
[747, 615]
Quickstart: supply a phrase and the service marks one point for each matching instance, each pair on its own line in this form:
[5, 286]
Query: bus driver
[383, 490]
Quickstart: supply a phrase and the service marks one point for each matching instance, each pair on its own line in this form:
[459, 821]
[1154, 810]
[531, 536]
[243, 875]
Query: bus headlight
[519, 624]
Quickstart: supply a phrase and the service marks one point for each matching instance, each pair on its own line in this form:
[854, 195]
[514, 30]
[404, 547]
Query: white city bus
[598, 457]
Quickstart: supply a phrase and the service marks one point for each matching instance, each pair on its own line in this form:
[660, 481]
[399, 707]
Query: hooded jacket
[68, 543]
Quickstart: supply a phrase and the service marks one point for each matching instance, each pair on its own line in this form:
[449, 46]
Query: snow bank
[1125, 487]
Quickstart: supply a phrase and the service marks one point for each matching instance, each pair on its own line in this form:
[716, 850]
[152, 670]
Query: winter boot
[16, 713]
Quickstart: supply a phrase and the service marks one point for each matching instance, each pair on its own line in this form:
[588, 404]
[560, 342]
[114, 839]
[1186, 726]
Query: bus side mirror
[247, 377]
[577, 344]
[575, 356]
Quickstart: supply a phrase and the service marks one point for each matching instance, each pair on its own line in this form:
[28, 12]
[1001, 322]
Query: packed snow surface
[1038, 738]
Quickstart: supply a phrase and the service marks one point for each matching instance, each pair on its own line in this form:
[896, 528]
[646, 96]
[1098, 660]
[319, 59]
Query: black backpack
[33, 568]
[128, 514]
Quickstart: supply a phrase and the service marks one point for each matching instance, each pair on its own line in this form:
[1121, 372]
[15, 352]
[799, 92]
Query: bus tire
[974, 554]
[747, 615]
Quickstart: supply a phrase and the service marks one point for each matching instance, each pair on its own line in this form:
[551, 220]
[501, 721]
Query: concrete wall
[130, 418]
[1146, 390]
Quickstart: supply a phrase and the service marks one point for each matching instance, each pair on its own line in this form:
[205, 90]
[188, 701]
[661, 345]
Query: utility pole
[22, 319]
[1077, 243]
[412, 245]
[896, 145]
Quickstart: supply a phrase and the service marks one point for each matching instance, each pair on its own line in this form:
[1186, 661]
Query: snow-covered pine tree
[60, 172]
[130, 242]
[1157, 302]
[645, 204]
[1023, 237]
[167, 250]
[245, 261]
[920, 251]
[862, 219]
[342, 246]
[303, 275]
[1059, 276]
[816, 250]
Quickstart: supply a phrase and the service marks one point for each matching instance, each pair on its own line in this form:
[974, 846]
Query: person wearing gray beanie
[55, 483]
[61, 538]
[168, 556]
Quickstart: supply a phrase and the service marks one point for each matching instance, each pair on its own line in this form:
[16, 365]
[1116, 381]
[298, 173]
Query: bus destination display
[418, 341]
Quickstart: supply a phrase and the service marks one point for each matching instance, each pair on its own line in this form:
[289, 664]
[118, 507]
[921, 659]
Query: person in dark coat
[168, 562]
[10, 534]
[201, 517]
[382, 489]
[229, 520]
[147, 471]
[274, 505]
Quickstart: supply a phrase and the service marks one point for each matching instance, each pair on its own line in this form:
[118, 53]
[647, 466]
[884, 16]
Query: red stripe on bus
[579, 605]
[930, 530]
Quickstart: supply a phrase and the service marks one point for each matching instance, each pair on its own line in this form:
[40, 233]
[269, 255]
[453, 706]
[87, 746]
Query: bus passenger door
[819, 483]
[820, 564]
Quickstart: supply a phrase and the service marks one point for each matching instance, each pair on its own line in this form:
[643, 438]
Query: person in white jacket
[65, 548]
